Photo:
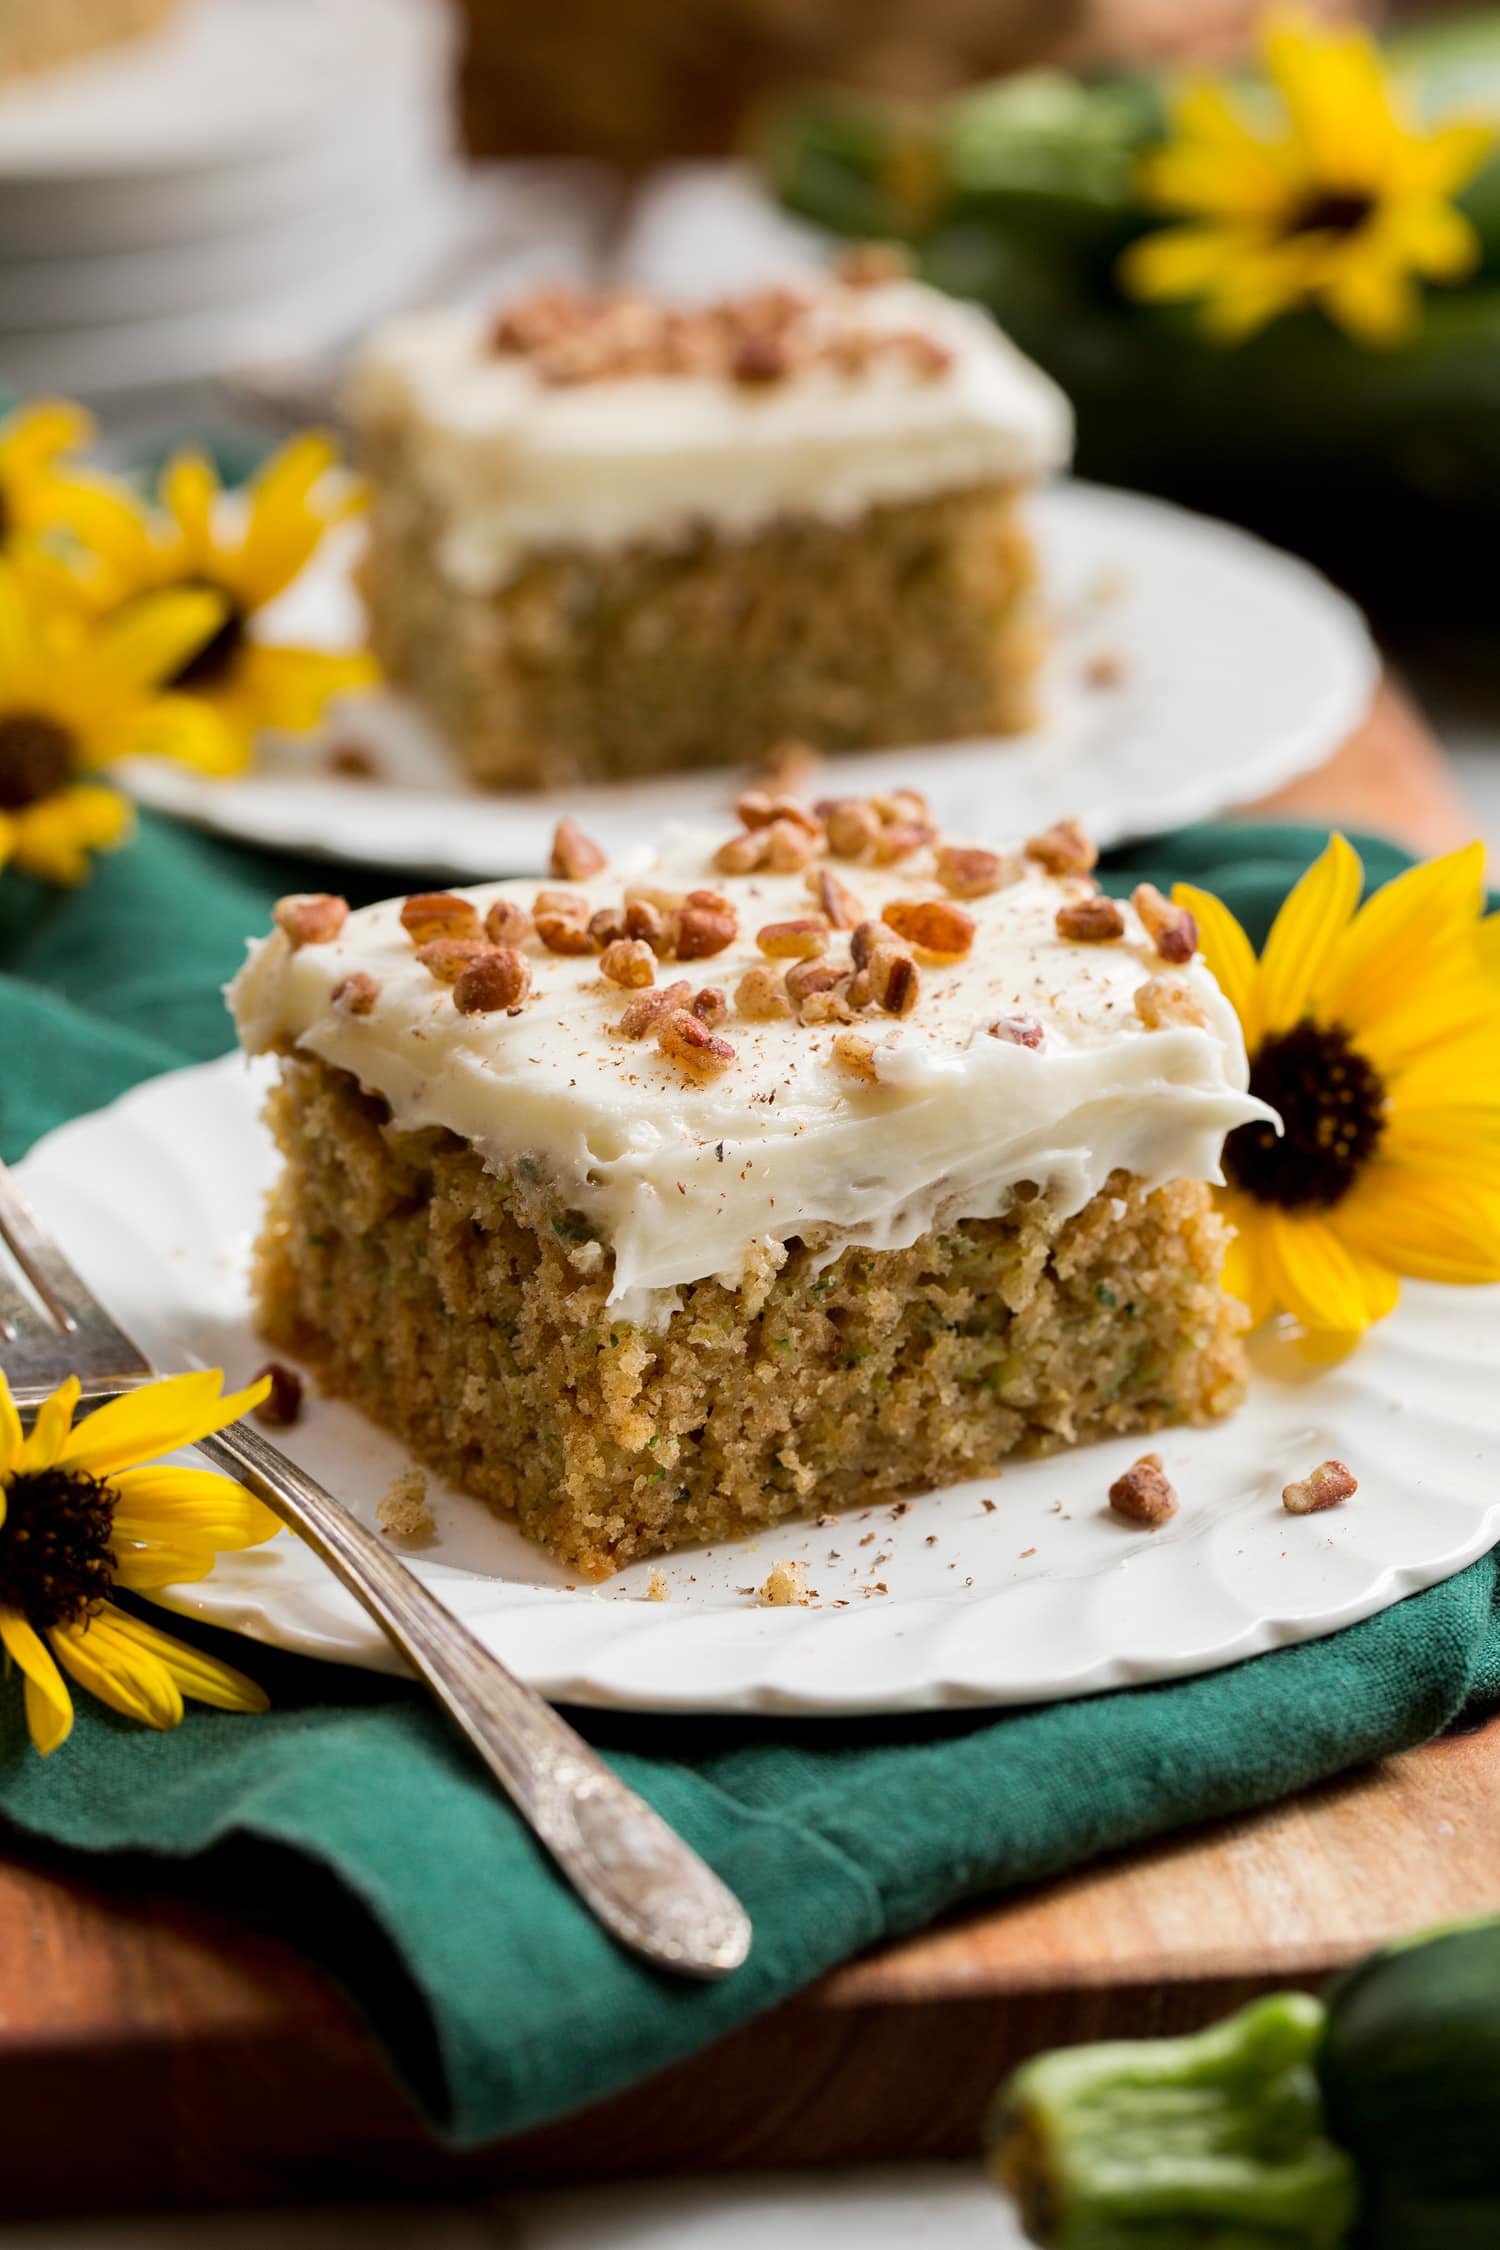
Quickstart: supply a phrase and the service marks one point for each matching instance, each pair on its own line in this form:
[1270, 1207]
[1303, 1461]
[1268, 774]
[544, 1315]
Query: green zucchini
[1410, 2072]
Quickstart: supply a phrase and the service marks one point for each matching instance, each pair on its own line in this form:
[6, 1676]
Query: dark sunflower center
[211, 665]
[1331, 213]
[36, 758]
[1332, 1104]
[56, 1563]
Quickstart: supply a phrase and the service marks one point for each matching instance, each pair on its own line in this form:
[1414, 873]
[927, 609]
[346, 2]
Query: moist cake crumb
[404, 1513]
[785, 1587]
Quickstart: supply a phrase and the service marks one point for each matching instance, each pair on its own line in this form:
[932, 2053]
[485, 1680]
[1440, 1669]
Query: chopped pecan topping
[790, 847]
[607, 926]
[743, 853]
[1171, 929]
[356, 994]
[835, 901]
[1017, 1031]
[968, 872]
[894, 980]
[800, 940]
[856, 1054]
[310, 917]
[691, 1045]
[761, 996]
[706, 925]
[831, 1006]
[282, 1404]
[438, 914]
[901, 807]
[852, 825]
[1144, 1493]
[872, 265]
[640, 1015]
[867, 935]
[655, 926]
[804, 978]
[446, 958]
[575, 856]
[497, 978]
[1063, 849]
[761, 808]
[561, 919]
[1167, 1003]
[1329, 1485]
[1090, 921]
[711, 1005]
[508, 923]
[628, 961]
[900, 838]
[761, 359]
[931, 926]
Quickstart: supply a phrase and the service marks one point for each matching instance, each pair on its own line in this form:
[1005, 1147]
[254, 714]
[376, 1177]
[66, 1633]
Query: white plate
[1239, 668]
[1038, 1595]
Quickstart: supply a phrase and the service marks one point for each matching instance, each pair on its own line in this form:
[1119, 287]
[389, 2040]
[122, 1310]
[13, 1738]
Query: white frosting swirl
[510, 465]
[682, 1179]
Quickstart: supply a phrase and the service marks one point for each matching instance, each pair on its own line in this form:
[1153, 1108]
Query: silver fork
[633, 1871]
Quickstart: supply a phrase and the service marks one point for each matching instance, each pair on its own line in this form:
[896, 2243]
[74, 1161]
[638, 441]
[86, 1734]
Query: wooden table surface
[154, 2052]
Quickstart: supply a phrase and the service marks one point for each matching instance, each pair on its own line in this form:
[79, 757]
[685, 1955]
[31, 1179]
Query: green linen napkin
[349, 1818]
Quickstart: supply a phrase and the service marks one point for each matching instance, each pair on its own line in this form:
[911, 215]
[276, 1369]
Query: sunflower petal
[285, 527]
[1323, 1282]
[53, 840]
[33, 437]
[49, 1707]
[1245, 1274]
[1305, 934]
[190, 730]
[11, 1439]
[49, 1432]
[171, 1503]
[207, 1679]
[1388, 947]
[146, 1570]
[190, 493]
[287, 690]
[130, 1680]
[1420, 1223]
[159, 1418]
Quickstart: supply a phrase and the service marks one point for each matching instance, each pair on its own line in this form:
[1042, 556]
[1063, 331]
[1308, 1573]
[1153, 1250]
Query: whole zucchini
[1410, 2072]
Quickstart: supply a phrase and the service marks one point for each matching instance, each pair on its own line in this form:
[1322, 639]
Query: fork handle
[635, 1873]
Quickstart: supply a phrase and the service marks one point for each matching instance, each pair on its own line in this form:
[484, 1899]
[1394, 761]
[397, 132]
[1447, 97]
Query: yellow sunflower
[1374, 1032]
[1341, 200]
[42, 491]
[75, 696]
[79, 1515]
[246, 553]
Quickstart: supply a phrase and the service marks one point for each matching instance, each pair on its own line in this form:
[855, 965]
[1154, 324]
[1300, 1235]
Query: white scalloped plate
[1019, 1588]
[1238, 667]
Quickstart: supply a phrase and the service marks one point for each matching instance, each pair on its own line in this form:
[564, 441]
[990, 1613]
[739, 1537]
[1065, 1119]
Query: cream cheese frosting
[510, 464]
[684, 1178]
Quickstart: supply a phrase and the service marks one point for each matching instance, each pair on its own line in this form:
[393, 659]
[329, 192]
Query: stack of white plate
[249, 186]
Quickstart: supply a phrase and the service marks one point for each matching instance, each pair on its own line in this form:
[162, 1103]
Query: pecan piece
[1329, 1485]
[1063, 849]
[835, 901]
[742, 853]
[894, 980]
[852, 825]
[1171, 929]
[651, 924]
[900, 838]
[691, 1045]
[498, 978]
[761, 808]
[804, 978]
[830, 1005]
[438, 914]
[867, 935]
[628, 961]
[356, 994]
[310, 917]
[931, 926]
[1017, 1031]
[1168, 1003]
[575, 856]
[790, 847]
[711, 1005]
[508, 923]
[968, 872]
[856, 1054]
[705, 926]
[800, 940]
[1144, 1493]
[640, 1015]
[561, 919]
[1090, 921]
[446, 958]
[761, 996]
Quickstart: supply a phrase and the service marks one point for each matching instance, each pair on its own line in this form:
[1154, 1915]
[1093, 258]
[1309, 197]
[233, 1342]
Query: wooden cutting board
[153, 2052]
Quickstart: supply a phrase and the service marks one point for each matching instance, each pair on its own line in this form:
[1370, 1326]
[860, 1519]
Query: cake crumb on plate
[404, 1513]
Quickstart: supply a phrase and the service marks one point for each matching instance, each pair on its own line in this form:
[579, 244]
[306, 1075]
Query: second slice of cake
[824, 1162]
[610, 536]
